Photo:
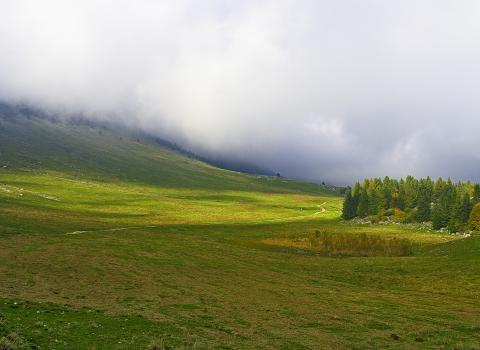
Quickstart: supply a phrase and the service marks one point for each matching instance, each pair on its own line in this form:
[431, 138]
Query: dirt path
[322, 210]
[111, 229]
[20, 192]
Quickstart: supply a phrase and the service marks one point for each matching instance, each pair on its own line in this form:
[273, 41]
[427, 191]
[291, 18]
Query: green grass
[113, 244]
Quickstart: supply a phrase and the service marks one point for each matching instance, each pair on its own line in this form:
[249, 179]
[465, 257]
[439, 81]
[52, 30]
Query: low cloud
[322, 90]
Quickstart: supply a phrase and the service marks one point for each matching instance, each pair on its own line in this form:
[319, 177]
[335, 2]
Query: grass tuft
[359, 244]
[13, 341]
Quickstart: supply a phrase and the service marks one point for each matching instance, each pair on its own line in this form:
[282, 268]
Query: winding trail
[322, 210]
[111, 229]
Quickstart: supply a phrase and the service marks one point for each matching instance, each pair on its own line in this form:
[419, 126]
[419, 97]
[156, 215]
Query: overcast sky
[324, 90]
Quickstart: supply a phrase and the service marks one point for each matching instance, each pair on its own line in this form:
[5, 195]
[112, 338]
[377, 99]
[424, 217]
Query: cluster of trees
[453, 205]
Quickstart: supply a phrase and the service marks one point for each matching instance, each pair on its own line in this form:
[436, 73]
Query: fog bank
[321, 90]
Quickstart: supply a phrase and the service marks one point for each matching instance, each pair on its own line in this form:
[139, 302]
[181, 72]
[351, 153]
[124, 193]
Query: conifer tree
[466, 208]
[439, 216]
[386, 197]
[394, 194]
[423, 207]
[401, 197]
[362, 209]
[438, 188]
[444, 202]
[348, 206]
[410, 189]
[356, 196]
[373, 204]
[476, 194]
[424, 199]
[460, 213]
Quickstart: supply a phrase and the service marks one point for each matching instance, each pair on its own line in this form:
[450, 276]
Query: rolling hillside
[62, 170]
[111, 153]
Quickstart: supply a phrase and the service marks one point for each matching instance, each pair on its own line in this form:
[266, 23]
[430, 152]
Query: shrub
[411, 216]
[381, 215]
[399, 215]
[374, 219]
[456, 225]
[390, 212]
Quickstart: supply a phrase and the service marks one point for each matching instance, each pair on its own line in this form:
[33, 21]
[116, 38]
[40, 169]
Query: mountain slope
[65, 176]
[97, 151]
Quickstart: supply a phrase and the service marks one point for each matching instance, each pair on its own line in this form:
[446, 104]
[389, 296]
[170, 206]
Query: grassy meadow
[109, 241]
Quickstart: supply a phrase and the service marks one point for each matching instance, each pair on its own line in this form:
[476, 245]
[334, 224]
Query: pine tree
[450, 196]
[356, 196]
[348, 206]
[476, 194]
[411, 186]
[385, 193]
[438, 189]
[424, 200]
[445, 200]
[386, 198]
[446, 203]
[439, 216]
[466, 208]
[460, 213]
[423, 207]
[373, 205]
[393, 194]
[401, 196]
[362, 209]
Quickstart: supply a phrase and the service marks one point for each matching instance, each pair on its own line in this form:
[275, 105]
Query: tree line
[447, 204]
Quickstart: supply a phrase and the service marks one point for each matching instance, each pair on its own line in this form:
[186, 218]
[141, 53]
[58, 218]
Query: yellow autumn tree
[475, 217]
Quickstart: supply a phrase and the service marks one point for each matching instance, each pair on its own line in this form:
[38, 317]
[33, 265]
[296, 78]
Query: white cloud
[327, 90]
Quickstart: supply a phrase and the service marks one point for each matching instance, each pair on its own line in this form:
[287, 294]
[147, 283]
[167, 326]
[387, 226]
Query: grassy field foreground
[207, 259]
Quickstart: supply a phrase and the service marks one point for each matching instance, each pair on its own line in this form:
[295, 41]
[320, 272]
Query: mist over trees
[444, 203]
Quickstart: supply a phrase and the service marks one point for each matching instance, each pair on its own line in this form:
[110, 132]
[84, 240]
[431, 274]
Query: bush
[374, 219]
[411, 216]
[456, 226]
[389, 212]
[381, 215]
[399, 215]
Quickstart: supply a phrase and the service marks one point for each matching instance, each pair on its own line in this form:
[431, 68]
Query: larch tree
[475, 217]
